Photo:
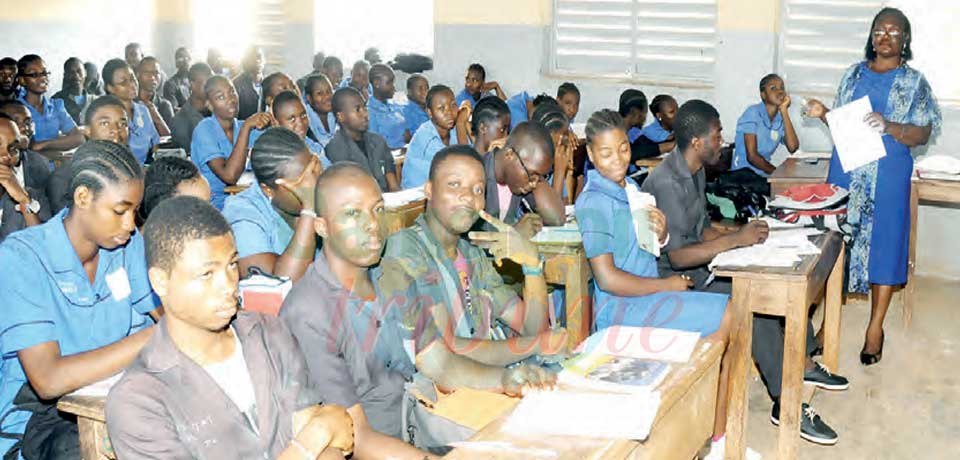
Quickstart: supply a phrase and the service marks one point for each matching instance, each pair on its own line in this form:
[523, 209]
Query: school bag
[412, 63]
[262, 292]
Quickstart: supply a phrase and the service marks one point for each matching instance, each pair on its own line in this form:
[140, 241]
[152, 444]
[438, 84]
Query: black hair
[602, 121]
[336, 170]
[267, 82]
[544, 98]
[411, 80]
[145, 60]
[208, 86]
[433, 91]
[68, 61]
[284, 97]
[198, 69]
[331, 61]
[360, 63]
[97, 164]
[130, 46]
[4, 116]
[551, 116]
[274, 149]
[531, 132]
[367, 52]
[657, 105]
[342, 93]
[694, 119]
[161, 181]
[26, 60]
[566, 88]
[475, 67]
[767, 79]
[11, 103]
[632, 99]
[107, 100]
[378, 71]
[487, 110]
[174, 223]
[179, 49]
[459, 150]
[313, 80]
[907, 53]
[92, 70]
[318, 59]
[8, 62]
[111, 67]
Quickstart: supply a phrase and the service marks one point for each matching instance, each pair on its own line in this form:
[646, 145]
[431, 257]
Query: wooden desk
[684, 421]
[650, 163]
[404, 216]
[933, 191]
[92, 424]
[795, 171]
[786, 292]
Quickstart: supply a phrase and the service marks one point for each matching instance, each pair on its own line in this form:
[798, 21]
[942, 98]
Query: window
[665, 40]
[346, 29]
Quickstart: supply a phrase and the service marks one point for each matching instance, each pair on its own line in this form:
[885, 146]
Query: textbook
[613, 374]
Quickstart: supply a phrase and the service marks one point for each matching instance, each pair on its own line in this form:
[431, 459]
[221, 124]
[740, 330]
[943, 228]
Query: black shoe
[812, 427]
[868, 359]
[821, 377]
[817, 351]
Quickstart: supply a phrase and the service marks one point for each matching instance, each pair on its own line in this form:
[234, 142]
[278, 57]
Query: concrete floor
[907, 406]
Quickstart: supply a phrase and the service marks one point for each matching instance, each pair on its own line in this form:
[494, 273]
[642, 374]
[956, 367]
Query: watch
[33, 206]
[536, 270]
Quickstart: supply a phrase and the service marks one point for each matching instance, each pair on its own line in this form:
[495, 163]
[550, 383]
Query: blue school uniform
[143, 133]
[209, 142]
[257, 228]
[415, 116]
[346, 82]
[423, 147]
[769, 136]
[323, 135]
[54, 121]
[386, 119]
[465, 95]
[606, 226]
[518, 108]
[317, 149]
[47, 296]
[633, 133]
[655, 132]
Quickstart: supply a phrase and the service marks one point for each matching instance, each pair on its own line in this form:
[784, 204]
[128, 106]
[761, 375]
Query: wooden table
[401, 217]
[92, 424]
[683, 424]
[786, 292]
[932, 191]
[650, 163]
[796, 171]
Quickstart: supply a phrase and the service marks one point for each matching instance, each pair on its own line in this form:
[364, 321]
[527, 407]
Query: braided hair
[551, 116]
[315, 80]
[162, 179]
[97, 164]
[487, 110]
[658, 102]
[602, 121]
[272, 152]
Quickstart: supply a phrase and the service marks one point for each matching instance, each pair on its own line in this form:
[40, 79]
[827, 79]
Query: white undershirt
[233, 377]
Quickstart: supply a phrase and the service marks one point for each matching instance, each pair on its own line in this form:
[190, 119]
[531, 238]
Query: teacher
[878, 211]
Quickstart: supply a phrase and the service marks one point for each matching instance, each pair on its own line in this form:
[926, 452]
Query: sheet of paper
[595, 415]
[642, 342]
[640, 204]
[805, 155]
[474, 408]
[396, 199]
[941, 164]
[99, 389]
[857, 144]
[783, 248]
[569, 233]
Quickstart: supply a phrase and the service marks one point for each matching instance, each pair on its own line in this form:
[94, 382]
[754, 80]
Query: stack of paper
[396, 199]
[642, 342]
[805, 155]
[569, 233]
[595, 415]
[940, 167]
[783, 248]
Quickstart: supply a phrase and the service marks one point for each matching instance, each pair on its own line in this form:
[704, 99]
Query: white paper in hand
[857, 144]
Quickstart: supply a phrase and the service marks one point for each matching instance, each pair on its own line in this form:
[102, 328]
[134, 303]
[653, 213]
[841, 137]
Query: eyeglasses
[878, 34]
[532, 179]
[36, 74]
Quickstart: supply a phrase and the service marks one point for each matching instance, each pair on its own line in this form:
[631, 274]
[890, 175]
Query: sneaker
[717, 449]
[823, 378]
[812, 427]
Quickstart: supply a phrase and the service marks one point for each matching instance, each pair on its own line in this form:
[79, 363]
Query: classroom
[420, 229]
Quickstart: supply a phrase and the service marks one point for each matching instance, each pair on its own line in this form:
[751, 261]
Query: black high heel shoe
[868, 359]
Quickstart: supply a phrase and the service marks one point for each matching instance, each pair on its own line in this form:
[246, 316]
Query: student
[75, 97]
[161, 110]
[317, 69]
[106, 120]
[273, 85]
[568, 96]
[660, 130]
[415, 111]
[289, 112]
[120, 82]
[319, 99]
[475, 86]
[490, 121]
[678, 185]
[9, 89]
[521, 106]
[468, 296]
[195, 109]
[23, 178]
[133, 54]
[763, 127]
[171, 176]
[633, 108]
[430, 137]
[54, 130]
[216, 62]
[386, 117]
[214, 382]
[372, 55]
[345, 327]
[221, 142]
[247, 83]
[177, 88]
[359, 79]
[333, 69]
[75, 305]
[272, 219]
[92, 83]
[553, 117]
[516, 181]
[353, 142]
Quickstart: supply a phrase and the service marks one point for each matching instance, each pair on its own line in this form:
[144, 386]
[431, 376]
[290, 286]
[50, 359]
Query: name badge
[119, 284]
[775, 135]
[140, 121]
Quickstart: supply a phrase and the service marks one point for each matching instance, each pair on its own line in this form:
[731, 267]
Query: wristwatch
[33, 206]
[536, 270]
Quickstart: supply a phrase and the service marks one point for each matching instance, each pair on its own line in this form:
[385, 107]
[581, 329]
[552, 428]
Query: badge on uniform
[140, 121]
[775, 135]
[119, 284]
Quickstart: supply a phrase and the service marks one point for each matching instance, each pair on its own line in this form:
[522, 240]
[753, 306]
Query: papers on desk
[642, 342]
[596, 415]
[804, 155]
[783, 248]
[939, 167]
[246, 179]
[396, 199]
[569, 233]
[857, 144]
[98, 389]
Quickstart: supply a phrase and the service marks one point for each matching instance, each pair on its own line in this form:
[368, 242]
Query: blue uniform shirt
[415, 116]
[633, 133]
[769, 136]
[143, 133]
[465, 95]
[317, 149]
[386, 119]
[518, 108]
[54, 121]
[209, 142]
[425, 144]
[257, 228]
[316, 126]
[47, 296]
[655, 132]
[346, 82]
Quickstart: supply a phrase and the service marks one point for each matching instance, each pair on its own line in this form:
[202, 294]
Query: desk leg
[578, 301]
[89, 438]
[739, 346]
[833, 301]
[794, 354]
[910, 290]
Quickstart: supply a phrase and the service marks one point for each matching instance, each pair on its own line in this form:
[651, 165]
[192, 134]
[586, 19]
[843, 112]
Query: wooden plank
[833, 301]
[577, 299]
[794, 171]
[91, 407]
[88, 439]
[740, 363]
[910, 291]
[794, 357]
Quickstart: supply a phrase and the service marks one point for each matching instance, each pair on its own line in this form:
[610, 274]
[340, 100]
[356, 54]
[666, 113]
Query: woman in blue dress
[878, 211]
